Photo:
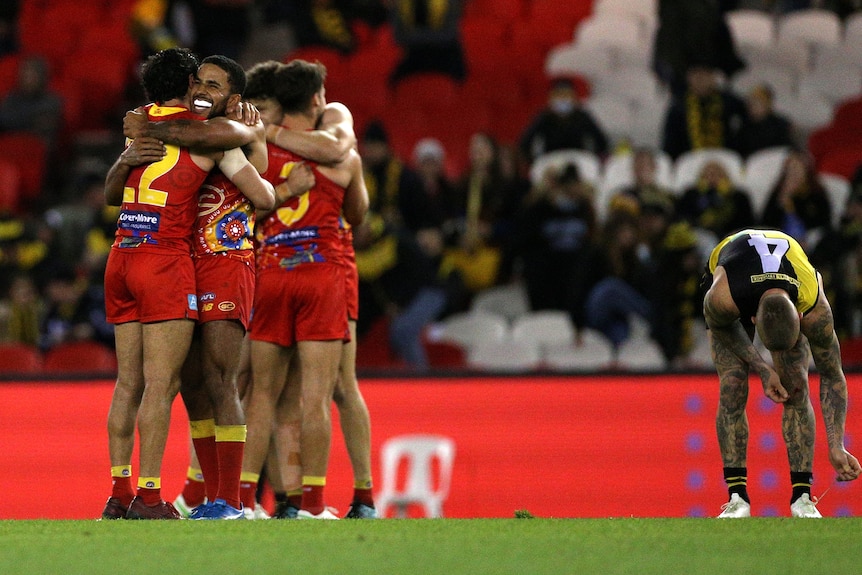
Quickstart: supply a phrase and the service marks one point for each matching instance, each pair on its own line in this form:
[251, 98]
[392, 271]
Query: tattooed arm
[729, 337]
[818, 327]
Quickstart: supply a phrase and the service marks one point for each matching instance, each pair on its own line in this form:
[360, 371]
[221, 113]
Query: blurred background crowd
[546, 178]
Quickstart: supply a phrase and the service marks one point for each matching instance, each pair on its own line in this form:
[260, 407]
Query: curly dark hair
[260, 78]
[296, 84]
[165, 74]
[235, 73]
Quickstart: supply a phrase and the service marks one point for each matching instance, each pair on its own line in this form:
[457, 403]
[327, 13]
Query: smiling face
[211, 91]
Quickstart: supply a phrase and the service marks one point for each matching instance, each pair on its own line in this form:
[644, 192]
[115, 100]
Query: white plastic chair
[832, 82]
[634, 84]
[688, 166]
[505, 356]
[509, 301]
[781, 79]
[807, 112]
[640, 354]
[589, 164]
[471, 328]
[751, 27]
[614, 115]
[421, 486]
[762, 170]
[590, 62]
[544, 328]
[838, 189]
[814, 27]
[622, 34]
[593, 353]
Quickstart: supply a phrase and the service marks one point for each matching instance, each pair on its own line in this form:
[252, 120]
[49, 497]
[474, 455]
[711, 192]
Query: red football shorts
[148, 287]
[351, 287]
[225, 286]
[304, 304]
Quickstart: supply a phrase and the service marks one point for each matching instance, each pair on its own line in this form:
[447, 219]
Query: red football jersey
[304, 229]
[225, 217]
[160, 201]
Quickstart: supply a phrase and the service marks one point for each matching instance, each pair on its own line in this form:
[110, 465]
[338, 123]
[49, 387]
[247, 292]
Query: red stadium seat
[10, 187]
[427, 91]
[28, 153]
[80, 357]
[8, 72]
[842, 161]
[19, 358]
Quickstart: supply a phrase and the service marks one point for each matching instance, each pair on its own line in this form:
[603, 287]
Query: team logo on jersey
[210, 199]
[226, 306]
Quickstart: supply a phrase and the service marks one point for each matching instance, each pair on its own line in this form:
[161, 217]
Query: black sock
[736, 479]
[801, 482]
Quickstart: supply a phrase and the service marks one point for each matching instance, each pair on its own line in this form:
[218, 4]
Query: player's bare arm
[219, 133]
[300, 180]
[818, 326]
[730, 337]
[140, 151]
[245, 176]
[356, 202]
[329, 144]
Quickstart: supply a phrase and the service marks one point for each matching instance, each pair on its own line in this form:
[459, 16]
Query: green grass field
[435, 546]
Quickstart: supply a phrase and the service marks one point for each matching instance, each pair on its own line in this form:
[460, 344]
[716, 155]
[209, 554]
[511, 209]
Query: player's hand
[301, 179]
[135, 123]
[772, 387]
[244, 112]
[845, 464]
[143, 150]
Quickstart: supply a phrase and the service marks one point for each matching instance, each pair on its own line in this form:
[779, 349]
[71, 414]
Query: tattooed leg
[731, 422]
[797, 422]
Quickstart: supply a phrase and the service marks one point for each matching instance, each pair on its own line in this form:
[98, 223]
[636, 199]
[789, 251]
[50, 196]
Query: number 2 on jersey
[770, 259]
[146, 193]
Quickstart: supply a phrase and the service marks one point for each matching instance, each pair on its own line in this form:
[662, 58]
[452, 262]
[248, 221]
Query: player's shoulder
[336, 111]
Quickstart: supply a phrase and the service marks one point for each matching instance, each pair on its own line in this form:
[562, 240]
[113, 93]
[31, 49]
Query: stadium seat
[8, 72]
[644, 10]
[80, 357]
[834, 82]
[444, 354]
[28, 152]
[422, 454]
[838, 190]
[634, 83]
[781, 79]
[688, 166]
[762, 170]
[589, 164]
[10, 187]
[509, 301]
[813, 27]
[640, 354]
[544, 328]
[19, 358]
[750, 27]
[622, 35]
[591, 352]
[591, 62]
[614, 115]
[807, 112]
[505, 356]
[471, 328]
[618, 173]
[842, 161]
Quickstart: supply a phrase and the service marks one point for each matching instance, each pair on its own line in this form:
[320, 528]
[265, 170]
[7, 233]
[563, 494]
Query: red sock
[295, 500]
[150, 497]
[229, 471]
[312, 499]
[122, 489]
[194, 490]
[205, 447]
[363, 496]
[248, 489]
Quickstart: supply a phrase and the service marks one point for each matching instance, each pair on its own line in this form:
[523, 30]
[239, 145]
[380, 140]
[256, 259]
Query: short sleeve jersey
[225, 217]
[160, 200]
[304, 229]
[759, 260]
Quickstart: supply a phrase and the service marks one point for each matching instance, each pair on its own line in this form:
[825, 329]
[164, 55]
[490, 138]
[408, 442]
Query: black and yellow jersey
[759, 260]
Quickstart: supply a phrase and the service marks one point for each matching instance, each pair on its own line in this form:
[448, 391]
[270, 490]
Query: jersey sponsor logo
[150, 484]
[757, 278]
[193, 302]
[208, 307]
[139, 221]
[290, 237]
[135, 241]
[226, 306]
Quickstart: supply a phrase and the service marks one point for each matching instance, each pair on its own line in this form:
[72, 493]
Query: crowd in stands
[453, 144]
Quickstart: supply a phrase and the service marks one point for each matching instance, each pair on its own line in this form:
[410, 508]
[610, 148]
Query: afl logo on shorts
[226, 306]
